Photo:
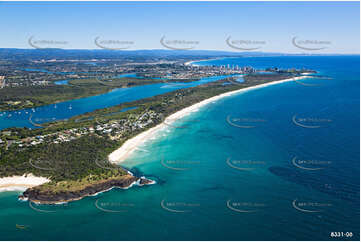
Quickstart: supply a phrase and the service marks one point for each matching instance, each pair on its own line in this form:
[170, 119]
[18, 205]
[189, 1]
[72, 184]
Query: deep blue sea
[275, 163]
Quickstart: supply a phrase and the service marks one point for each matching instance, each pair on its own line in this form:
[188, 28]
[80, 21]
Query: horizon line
[228, 51]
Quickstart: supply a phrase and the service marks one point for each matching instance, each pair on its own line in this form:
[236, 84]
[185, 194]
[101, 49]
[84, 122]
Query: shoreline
[21, 183]
[28, 183]
[93, 190]
[190, 63]
[129, 146]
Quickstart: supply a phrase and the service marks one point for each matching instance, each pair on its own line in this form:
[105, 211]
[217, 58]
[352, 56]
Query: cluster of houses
[2, 81]
[184, 71]
[163, 70]
[115, 129]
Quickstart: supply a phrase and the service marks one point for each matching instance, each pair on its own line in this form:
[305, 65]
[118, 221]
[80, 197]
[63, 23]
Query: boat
[18, 226]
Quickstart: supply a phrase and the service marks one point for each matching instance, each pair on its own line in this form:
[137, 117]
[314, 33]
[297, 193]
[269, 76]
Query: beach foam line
[131, 144]
[21, 183]
[202, 60]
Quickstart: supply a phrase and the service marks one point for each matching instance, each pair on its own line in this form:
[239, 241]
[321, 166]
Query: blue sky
[270, 26]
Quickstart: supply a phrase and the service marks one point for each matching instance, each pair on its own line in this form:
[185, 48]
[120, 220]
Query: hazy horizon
[195, 50]
[269, 27]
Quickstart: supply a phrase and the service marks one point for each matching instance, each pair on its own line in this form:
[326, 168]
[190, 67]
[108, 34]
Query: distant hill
[9, 53]
[81, 54]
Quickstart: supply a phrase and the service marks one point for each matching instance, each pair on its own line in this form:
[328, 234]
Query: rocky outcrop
[145, 181]
[50, 197]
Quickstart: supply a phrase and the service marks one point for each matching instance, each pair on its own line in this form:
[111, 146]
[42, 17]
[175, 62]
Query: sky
[287, 27]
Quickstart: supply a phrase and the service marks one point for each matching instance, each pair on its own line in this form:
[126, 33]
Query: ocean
[276, 163]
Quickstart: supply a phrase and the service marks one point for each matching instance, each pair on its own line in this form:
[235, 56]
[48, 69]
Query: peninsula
[79, 157]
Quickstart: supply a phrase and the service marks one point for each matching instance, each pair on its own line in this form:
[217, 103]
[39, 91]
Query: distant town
[53, 75]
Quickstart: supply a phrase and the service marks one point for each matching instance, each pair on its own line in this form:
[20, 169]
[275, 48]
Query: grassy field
[81, 184]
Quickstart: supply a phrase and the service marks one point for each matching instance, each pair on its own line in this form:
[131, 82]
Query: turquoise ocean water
[277, 163]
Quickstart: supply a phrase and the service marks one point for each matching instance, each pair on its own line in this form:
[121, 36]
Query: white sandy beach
[21, 183]
[130, 145]
[191, 62]
[188, 63]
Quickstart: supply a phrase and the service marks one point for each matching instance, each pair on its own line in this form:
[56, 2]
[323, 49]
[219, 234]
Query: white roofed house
[2, 81]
